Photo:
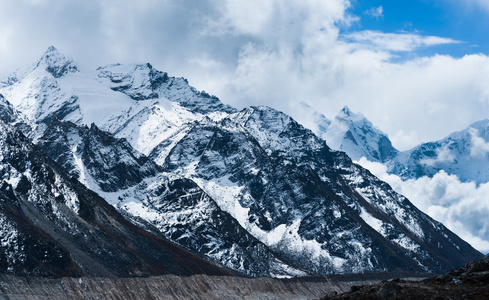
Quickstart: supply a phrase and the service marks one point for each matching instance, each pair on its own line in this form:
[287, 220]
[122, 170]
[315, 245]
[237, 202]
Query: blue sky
[457, 20]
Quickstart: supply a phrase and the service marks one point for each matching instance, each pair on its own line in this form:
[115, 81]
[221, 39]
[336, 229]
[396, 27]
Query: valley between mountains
[126, 171]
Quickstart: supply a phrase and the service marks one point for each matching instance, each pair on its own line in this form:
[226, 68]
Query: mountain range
[464, 153]
[252, 191]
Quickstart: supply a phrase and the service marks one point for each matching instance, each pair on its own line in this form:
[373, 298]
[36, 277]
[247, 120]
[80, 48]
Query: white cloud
[405, 140]
[462, 207]
[375, 12]
[479, 147]
[443, 154]
[396, 41]
[482, 3]
[472, 4]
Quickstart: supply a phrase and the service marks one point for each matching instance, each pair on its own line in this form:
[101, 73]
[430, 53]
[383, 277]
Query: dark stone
[388, 289]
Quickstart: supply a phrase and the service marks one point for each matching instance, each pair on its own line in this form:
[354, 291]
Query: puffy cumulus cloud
[289, 46]
[94, 33]
[463, 207]
[405, 140]
[294, 51]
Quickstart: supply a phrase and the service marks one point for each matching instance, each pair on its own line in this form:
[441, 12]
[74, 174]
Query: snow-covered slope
[252, 190]
[136, 101]
[54, 85]
[165, 104]
[54, 226]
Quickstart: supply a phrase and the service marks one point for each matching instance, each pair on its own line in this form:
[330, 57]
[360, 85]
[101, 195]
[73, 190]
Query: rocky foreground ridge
[468, 282]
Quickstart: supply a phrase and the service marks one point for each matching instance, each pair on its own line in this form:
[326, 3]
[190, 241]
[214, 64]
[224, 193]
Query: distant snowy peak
[354, 134]
[464, 153]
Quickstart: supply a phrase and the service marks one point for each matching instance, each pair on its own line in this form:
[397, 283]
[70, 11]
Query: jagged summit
[143, 82]
[351, 132]
[115, 97]
[346, 110]
[56, 63]
[347, 114]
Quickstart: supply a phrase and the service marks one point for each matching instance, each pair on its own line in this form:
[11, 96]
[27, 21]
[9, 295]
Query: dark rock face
[186, 214]
[55, 226]
[189, 217]
[112, 163]
[389, 289]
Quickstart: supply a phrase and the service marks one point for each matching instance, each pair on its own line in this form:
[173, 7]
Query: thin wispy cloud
[375, 12]
[396, 41]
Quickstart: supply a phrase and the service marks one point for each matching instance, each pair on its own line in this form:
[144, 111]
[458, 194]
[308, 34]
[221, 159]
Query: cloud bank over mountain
[275, 53]
[461, 206]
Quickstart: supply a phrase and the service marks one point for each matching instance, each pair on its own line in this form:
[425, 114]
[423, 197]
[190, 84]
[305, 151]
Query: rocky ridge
[54, 226]
[468, 282]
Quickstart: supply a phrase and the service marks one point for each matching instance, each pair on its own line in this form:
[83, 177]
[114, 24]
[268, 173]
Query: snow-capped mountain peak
[56, 63]
[356, 135]
[347, 111]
